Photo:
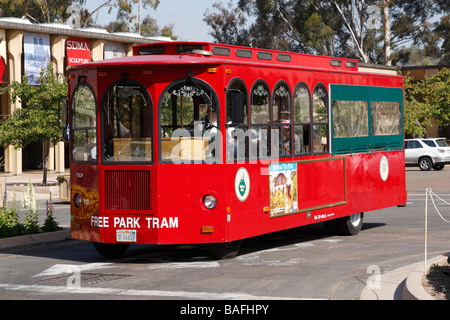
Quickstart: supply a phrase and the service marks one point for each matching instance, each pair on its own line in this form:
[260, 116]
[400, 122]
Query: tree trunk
[387, 35]
[46, 153]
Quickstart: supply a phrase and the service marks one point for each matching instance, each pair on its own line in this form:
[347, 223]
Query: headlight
[209, 201]
[77, 200]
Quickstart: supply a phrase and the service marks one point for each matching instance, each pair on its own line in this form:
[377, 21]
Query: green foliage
[38, 119]
[36, 11]
[50, 224]
[334, 27]
[9, 220]
[319, 35]
[10, 225]
[425, 100]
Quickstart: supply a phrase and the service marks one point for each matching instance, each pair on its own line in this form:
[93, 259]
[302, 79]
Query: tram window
[127, 123]
[350, 119]
[151, 50]
[302, 119]
[237, 122]
[264, 55]
[260, 121]
[320, 119]
[243, 53]
[222, 51]
[284, 57]
[189, 118]
[281, 109]
[188, 48]
[84, 123]
[386, 118]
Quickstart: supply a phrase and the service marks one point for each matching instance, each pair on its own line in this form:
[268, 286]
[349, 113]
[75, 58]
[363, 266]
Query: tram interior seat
[184, 148]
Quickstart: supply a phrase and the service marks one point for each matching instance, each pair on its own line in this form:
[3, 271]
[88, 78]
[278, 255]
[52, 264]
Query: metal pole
[428, 190]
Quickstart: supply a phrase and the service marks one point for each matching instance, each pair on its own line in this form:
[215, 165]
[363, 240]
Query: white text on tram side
[135, 223]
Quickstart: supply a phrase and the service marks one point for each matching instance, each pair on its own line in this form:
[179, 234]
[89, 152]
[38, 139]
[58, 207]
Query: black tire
[111, 250]
[221, 251]
[425, 164]
[346, 226]
[438, 167]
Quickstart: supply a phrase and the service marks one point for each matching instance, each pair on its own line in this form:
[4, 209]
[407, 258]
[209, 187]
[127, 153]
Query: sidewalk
[14, 182]
[42, 194]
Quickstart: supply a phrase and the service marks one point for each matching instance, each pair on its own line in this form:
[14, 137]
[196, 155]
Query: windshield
[127, 123]
[189, 123]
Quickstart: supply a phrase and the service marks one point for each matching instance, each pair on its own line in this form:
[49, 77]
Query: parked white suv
[427, 153]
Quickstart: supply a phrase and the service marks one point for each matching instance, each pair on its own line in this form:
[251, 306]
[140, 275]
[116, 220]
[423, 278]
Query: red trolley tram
[193, 142]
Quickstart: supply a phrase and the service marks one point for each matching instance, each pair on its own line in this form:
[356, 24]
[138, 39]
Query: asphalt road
[302, 263]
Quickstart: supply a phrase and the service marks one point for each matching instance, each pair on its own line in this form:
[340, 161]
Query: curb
[413, 289]
[404, 283]
[31, 239]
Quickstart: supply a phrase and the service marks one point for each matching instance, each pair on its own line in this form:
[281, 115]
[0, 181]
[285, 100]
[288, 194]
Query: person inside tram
[208, 127]
[286, 142]
[210, 122]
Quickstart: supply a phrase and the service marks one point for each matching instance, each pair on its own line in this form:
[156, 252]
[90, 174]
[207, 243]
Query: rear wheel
[110, 250]
[425, 164]
[227, 250]
[346, 226]
[438, 166]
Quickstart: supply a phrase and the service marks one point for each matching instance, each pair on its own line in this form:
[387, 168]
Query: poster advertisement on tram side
[283, 189]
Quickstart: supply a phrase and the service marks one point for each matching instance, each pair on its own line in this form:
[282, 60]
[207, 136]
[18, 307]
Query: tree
[39, 117]
[228, 25]
[425, 100]
[366, 30]
[149, 28]
[40, 11]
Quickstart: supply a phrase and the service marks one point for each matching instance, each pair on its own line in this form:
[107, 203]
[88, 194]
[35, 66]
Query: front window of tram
[189, 118]
[84, 125]
[127, 123]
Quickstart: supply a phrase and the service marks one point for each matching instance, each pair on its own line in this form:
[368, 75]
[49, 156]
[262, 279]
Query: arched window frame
[192, 84]
[237, 142]
[136, 144]
[302, 124]
[320, 119]
[84, 151]
[282, 118]
[259, 129]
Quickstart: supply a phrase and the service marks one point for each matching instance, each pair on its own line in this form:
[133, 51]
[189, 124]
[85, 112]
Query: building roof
[66, 30]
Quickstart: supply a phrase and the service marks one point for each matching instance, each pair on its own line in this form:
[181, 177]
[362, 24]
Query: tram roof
[191, 53]
[154, 60]
[247, 55]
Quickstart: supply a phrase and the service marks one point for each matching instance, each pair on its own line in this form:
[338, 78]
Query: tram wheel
[110, 250]
[346, 226]
[227, 250]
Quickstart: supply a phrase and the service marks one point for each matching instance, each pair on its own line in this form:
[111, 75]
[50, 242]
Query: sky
[186, 16]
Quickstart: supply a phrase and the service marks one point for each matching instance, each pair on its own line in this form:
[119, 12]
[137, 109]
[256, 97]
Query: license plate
[126, 235]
